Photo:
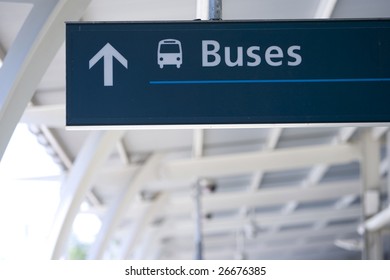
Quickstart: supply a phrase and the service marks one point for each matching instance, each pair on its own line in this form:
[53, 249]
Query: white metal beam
[257, 251]
[318, 171]
[266, 239]
[48, 115]
[208, 9]
[198, 143]
[65, 160]
[139, 229]
[265, 161]
[378, 221]
[180, 240]
[378, 132]
[149, 248]
[146, 173]
[185, 228]
[121, 149]
[325, 8]
[257, 178]
[27, 60]
[272, 142]
[183, 196]
[273, 138]
[94, 152]
[265, 197]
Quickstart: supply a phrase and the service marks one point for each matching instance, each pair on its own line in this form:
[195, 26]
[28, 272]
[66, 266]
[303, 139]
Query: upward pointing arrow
[108, 52]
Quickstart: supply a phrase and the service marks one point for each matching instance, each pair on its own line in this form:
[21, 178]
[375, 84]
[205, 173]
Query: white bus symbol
[169, 53]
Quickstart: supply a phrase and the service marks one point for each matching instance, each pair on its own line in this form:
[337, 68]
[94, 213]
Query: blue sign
[222, 73]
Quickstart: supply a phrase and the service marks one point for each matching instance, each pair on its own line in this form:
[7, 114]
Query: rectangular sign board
[227, 72]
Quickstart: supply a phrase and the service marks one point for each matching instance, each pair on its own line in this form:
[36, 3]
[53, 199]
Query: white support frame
[27, 60]
[257, 177]
[265, 197]
[272, 141]
[266, 161]
[281, 247]
[319, 170]
[47, 115]
[141, 227]
[267, 239]
[121, 149]
[198, 143]
[378, 221]
[185, 228]
[94, 152]
[325, 9]
[146, 173]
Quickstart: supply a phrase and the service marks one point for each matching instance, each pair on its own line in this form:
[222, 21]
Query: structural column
[370, 172]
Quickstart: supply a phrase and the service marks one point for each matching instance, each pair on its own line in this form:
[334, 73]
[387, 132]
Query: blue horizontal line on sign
[189, 82]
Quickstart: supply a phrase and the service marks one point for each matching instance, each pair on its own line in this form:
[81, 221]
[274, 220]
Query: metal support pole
[209, 9]
[388, 166]
[197, 192]
[215, 9]
[371, 194]
[205, 10]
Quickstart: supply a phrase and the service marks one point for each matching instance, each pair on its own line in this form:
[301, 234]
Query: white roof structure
[297, 192]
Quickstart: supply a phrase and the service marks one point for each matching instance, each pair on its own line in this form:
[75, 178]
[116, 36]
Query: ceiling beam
[272, 141]
[378, 132]
[265, 239]
[265, 161]
[273, 138]
[47, 115]
[258, 176]
[264, 221]
[265, 197]
[256, 251]
[318, 171]
[184, 196]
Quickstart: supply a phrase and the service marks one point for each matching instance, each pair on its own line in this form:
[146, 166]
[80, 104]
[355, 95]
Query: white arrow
[108, 52]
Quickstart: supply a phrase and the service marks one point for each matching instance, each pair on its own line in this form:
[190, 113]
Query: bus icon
[169, 53]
